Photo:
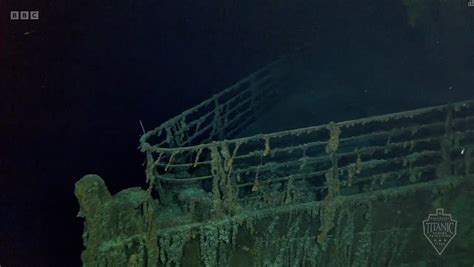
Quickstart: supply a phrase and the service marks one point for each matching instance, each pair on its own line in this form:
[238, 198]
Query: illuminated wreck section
[350, 193]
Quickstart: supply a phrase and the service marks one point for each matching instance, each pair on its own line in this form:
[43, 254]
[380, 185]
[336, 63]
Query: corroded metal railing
[224, 114]
[301, 197]
[320, 162]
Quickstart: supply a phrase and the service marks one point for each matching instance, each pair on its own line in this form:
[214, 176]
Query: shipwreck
[350, 193]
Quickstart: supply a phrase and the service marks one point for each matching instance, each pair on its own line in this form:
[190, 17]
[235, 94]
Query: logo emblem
[439, 229]
[26, 15]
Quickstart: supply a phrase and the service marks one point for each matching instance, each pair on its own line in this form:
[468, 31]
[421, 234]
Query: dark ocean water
[76, 83]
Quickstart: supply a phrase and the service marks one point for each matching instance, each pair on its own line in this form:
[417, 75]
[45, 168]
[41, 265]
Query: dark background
[75, 84]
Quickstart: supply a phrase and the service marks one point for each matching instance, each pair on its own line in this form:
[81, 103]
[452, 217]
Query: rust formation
[315, 196]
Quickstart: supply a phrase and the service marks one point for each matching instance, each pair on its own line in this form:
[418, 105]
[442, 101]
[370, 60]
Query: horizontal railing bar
[342, 140]
[364, 163]
[368, 178]
[383, 132]
[322, 158]
[258, 153]
[371, 164]
[379, 118]
[374, 177]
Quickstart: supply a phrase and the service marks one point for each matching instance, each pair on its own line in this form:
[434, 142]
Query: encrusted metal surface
[342, 194]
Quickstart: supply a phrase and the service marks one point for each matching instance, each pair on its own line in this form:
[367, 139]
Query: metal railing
[306, 164]
[224, 114]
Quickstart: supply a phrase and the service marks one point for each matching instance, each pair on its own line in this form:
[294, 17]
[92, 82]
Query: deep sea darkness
[75, 84]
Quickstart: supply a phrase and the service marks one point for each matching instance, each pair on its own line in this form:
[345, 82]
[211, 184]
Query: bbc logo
[24, 15]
